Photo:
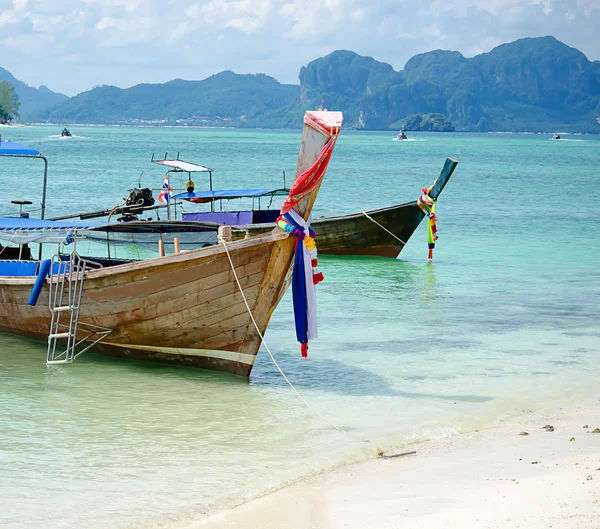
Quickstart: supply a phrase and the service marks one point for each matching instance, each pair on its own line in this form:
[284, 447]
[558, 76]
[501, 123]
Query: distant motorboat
[402, 136]
[556, 137]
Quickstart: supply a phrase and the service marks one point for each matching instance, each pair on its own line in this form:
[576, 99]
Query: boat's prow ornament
[427, 204]
[305, 275]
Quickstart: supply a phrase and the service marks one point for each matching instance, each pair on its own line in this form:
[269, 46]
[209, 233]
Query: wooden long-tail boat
[381, 232]
[183, 308]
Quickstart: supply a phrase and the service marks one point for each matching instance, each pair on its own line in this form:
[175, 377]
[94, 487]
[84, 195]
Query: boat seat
[18, 268]
[22, 203]
[22, 267]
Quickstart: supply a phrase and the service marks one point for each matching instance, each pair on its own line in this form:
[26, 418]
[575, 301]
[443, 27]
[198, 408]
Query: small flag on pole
[166, 192]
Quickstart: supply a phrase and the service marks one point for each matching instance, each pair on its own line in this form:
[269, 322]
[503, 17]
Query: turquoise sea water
[504, 320]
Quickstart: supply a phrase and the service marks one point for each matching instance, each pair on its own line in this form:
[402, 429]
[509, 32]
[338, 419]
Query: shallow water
[505, 319]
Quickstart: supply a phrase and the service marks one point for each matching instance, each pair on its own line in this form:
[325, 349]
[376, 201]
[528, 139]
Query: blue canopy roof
[9, 148]
[232, 193]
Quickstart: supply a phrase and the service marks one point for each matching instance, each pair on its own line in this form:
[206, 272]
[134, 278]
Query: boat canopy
[9, 148]
[15, 150]
[21, 230]
[180, 165]
[25, 230]
[232, 193]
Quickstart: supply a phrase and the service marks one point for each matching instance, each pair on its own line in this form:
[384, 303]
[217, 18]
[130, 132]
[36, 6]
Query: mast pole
[212, 201]
[43, 214]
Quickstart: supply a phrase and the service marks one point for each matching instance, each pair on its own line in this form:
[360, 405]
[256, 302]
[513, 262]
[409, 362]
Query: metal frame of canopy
[180, 166]
[14, 150]
[232, 194]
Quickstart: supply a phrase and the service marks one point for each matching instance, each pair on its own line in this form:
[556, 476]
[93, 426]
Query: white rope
[265, 343]
[392, 234]
[11, 240]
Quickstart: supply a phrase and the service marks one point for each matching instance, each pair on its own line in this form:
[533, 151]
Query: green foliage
[428, 122]
[536, 84]
[341, 81]
[225, 99]
[9, 102]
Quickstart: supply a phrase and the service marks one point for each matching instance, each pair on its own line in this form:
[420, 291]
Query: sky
[73, 45]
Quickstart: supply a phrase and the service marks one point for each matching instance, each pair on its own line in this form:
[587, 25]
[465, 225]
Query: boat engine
[141, 197]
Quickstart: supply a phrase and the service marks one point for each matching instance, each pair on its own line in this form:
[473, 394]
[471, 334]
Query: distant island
[428, 123]
[532, 84]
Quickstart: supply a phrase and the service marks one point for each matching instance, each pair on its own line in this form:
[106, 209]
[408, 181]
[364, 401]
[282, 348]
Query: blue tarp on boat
[9, 148]
[232, 193]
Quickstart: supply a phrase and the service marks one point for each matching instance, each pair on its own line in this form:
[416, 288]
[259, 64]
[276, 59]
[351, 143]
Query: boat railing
[65, 297]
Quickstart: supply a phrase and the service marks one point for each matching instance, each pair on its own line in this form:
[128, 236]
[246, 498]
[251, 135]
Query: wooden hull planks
[356, 234]
[183, 308]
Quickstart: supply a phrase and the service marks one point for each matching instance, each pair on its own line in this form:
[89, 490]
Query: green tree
[9, 102]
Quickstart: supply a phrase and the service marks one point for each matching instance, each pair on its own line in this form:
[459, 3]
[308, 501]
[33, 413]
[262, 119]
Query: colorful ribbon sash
[427, 205]
[305, 277]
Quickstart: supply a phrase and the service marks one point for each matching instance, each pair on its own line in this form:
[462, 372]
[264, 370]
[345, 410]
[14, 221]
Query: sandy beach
[498, 478]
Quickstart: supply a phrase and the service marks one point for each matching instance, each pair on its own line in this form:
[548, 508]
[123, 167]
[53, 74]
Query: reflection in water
[429, 281]
[375, 277]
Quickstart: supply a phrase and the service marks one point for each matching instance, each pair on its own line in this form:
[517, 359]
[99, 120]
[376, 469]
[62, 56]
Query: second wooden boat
[380, 232]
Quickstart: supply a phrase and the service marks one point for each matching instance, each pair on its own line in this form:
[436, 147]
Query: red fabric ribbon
[310, 178]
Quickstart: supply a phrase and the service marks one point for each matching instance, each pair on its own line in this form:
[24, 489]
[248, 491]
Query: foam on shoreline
[499, 478]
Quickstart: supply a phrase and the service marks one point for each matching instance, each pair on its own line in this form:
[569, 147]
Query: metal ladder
[66, 291]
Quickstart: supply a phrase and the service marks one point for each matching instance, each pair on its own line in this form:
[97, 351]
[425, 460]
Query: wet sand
[498, 478]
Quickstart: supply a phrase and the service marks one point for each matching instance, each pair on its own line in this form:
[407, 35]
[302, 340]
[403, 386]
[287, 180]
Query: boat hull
[381, 232]
[365, 233]
[183, 309]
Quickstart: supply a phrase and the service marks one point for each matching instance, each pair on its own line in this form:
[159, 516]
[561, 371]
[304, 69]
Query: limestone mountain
[529, 84]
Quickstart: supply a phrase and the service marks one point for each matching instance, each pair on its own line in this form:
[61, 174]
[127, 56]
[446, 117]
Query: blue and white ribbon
[303, 287]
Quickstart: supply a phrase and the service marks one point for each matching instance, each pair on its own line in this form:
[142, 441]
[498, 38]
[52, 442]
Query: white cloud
[483, 46]
[546, 6]
[359, 14]
[434, 33]
[588, 6]
[71, 45]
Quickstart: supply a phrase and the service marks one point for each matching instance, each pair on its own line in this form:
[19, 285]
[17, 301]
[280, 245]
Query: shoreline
[283, 129]
[496, 478]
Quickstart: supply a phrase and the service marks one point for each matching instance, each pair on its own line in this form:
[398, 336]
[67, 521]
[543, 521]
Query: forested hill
[33, 100]
[223, 99]
[528, 85]
[533, 84]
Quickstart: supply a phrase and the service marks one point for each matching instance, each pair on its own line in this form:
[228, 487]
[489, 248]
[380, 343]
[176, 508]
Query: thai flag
[166, 192]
